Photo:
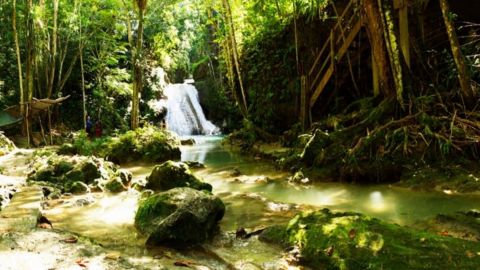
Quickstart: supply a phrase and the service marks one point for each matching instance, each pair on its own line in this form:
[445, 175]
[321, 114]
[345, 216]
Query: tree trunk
[375, 33]
[80, 51]
[19, 60]
[233, 42]
[463, 74]
[137, 67]
[53, 51]
[392, 47]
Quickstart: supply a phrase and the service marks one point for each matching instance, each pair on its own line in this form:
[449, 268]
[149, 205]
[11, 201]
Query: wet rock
[147, 144]
[115, 185]
[464, 225]
[179, 217]
[299, 178]
[235, 172]
[125, 176]
[334, 240]
[77, 174]
[77, 187]
[194, 164]
[174, 174]
[187, 142]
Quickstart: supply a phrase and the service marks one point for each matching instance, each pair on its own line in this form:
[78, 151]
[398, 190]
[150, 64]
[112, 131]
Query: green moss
[115, 185]
[148, 144]
[172, 174]
[157, 206]
[328, 240]
[76, 187]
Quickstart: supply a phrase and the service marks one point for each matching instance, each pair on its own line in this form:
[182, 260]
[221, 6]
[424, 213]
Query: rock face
[174, 174]
[6, 145]
[329, 240]
[179, 217]
[78, 174]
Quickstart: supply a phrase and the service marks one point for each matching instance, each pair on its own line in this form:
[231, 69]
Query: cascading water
[184, 113]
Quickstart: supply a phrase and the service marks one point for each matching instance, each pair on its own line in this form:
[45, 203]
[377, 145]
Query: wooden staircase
[347, 27]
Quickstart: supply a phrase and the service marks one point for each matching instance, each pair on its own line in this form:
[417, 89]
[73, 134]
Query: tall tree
[19, 60]
[137, 65]
[234, 53]
[463, 74]
[380, 56]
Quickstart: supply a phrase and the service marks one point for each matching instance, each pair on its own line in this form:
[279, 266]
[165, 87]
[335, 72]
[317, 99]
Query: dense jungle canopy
[218, 130]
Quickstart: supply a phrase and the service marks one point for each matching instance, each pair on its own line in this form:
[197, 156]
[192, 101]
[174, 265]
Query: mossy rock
[74, 176]
[72, 173]
[148, 144]
[90, 171]
[179, 217]
[76, 187]
[172, 174]
[115, 185]
[328, 240]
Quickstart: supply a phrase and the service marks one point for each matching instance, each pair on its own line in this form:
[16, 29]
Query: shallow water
[259, 197]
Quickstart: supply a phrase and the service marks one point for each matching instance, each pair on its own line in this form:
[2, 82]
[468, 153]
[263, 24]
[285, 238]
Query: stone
[179, 217]
[187, 142]
[172, 174]
[77, 187]
[115, 185]
[345, 240]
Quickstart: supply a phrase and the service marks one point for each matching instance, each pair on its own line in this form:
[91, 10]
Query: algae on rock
[179, 217]
[330, 240]
[172, 174]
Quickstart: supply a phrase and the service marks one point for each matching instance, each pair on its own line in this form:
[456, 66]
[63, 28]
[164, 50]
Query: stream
[256, 195]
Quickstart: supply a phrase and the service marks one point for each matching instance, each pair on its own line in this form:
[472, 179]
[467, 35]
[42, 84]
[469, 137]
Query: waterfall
[184, 113]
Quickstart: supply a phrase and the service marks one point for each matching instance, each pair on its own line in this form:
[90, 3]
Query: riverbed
[256, 195]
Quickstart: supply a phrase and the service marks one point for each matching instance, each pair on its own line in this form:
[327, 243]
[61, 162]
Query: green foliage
[148, 144]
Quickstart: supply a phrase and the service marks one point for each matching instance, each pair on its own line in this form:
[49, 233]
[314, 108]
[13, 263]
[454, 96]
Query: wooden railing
[341, 37]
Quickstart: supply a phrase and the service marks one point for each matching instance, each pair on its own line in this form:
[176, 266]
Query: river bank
[256, 195]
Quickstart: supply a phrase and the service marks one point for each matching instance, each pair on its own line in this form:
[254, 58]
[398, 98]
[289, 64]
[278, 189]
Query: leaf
[70, 240]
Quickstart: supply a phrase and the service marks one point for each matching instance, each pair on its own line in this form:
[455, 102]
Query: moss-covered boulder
[147, 144]
[78, 174]
[179, 217]
[172, 174]
[6, 145]
[328, 240]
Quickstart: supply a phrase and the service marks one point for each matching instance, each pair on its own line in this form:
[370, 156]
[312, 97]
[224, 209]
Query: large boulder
[172, 174]
[78, 174]
[335, 240]
[179, 217]
[148, 144]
